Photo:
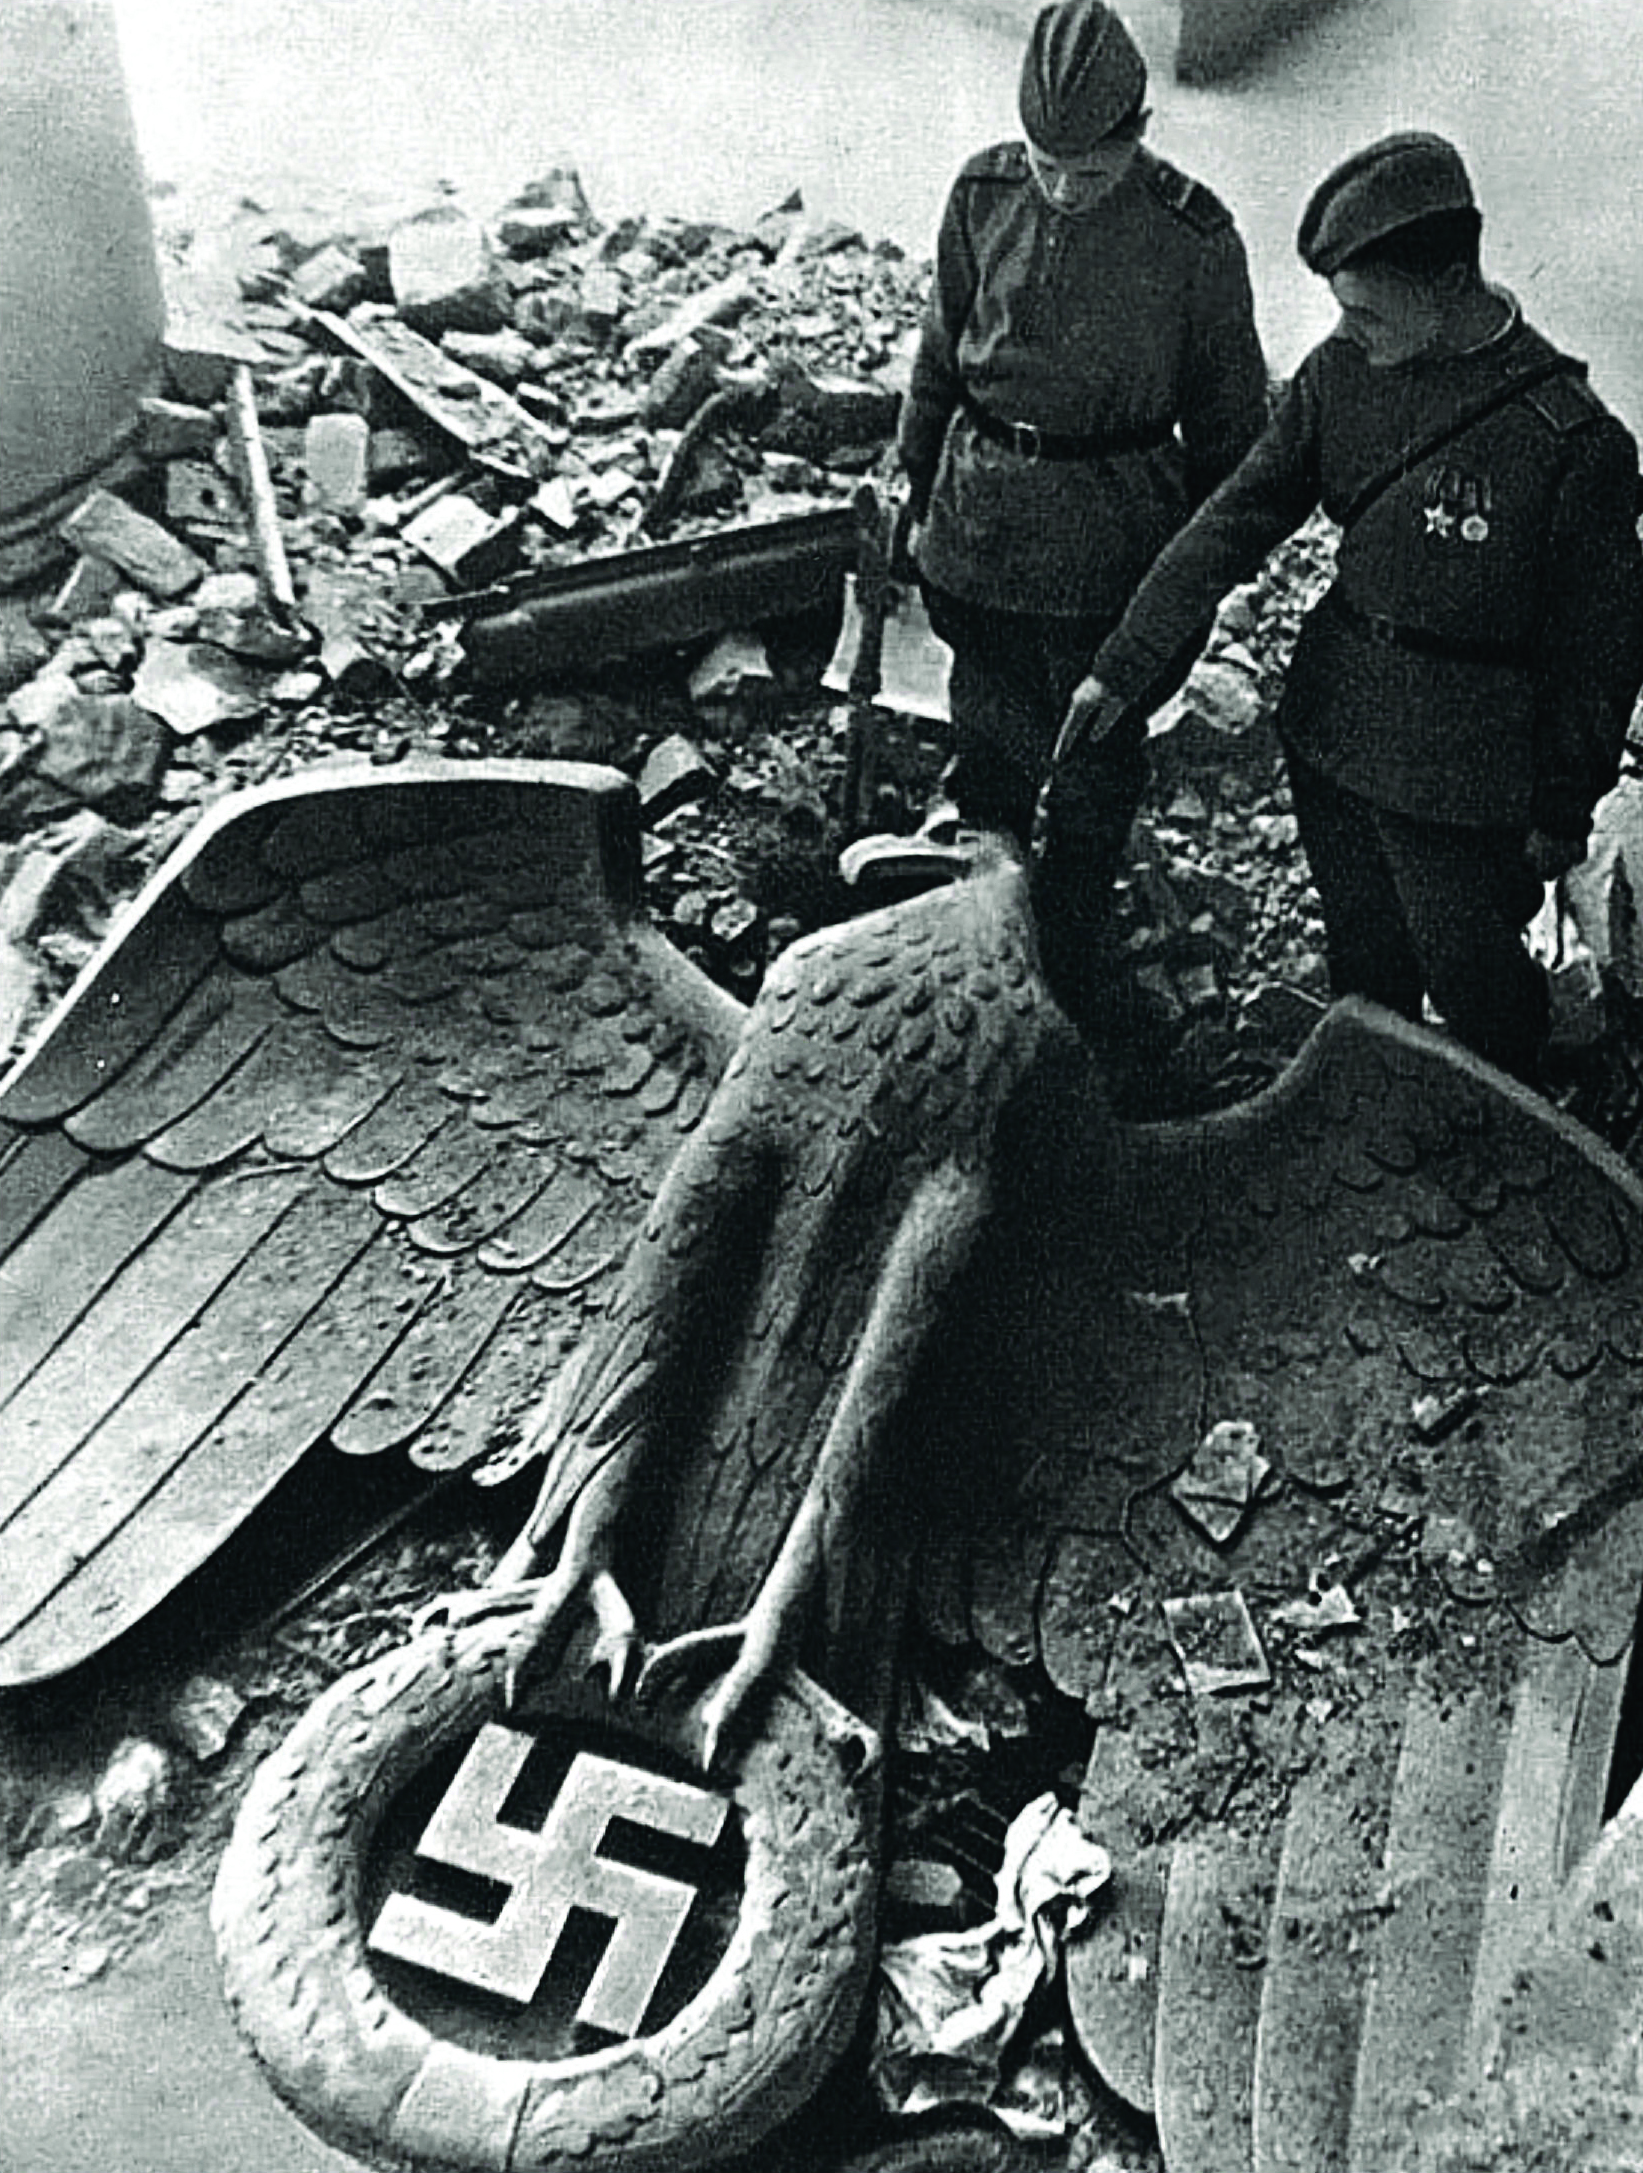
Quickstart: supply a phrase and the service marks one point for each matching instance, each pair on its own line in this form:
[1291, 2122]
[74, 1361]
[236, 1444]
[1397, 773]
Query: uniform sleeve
[1591, 647]
[933, 392]
[1265, 498]
[1224, 388]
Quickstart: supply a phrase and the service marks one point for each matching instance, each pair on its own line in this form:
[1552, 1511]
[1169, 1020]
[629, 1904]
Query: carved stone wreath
[754, 2042]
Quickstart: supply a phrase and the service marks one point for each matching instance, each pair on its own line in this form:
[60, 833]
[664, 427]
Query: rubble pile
[433, 404]
[367, 416]
[366, 420]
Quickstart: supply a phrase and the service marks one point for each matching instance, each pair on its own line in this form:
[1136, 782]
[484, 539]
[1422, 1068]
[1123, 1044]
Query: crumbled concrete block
[201, 357]
[535, 230]
[721, 303]
[729, 665]
[688, 377]
[611, 486]
[505, 356]
[444, 276]
[198, 496]
[91, 587]
[23, 649]
[227, 592]
[175, 431]
[714, 484]
[463, 540]
[336, 457]
[106, 527]
[396, 456]
[603, 296]
[195, 686]
[675, 774]
[556, 503]
[776, 228]
[736, 929]
[822, 416]
[333, 278]
[355, 672]
[107, 752]
[1215, 1641]
[558, 189]
[1224, 1478]
[204, 1715]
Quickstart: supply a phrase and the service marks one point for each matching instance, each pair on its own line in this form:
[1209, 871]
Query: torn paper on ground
[950, 2002]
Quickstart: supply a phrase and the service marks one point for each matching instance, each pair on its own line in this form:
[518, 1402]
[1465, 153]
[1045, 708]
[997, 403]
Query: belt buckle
[1382, 630]
[1027, 440]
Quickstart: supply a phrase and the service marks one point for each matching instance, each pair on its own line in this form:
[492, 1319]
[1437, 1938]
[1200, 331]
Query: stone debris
[133, 1801]
[1325, 1607]
[1216, 1643]
[204, 1715]
[336, 459]
[1225, 1477]
[675, 774]
[105, 527]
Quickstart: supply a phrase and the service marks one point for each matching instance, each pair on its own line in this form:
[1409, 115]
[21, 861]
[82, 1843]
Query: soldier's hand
[1091, 714]
[1550, 857]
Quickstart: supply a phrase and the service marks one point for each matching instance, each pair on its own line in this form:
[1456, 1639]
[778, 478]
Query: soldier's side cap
[1081, 75]
[1386, 185]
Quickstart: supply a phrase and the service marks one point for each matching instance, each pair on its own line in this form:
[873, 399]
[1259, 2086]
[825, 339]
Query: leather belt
[1390, 635]
[1031, 443]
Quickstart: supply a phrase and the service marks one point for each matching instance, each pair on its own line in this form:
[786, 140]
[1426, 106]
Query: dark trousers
[1013, 676]
[1436, 908]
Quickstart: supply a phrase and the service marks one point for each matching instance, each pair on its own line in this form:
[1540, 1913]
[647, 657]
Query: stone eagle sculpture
[385, 1103]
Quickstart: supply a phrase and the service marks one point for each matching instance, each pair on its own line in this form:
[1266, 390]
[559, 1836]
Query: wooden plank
[208, 1491]
[160, 1293]
[71, 1257]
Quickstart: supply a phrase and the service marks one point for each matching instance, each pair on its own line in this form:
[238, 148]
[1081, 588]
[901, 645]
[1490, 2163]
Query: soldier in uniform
[1458, 701]
[1088, 370]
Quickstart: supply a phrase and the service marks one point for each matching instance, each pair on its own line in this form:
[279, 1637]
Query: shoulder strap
[1201, 208]
[1457, 426]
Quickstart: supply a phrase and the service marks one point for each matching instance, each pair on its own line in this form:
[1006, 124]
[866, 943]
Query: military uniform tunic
[1477, 659]
[1468, 678]
[1127, 324]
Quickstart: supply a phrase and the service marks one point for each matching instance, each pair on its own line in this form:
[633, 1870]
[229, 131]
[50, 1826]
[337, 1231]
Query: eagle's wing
[1423, 1291]
[342, 1133]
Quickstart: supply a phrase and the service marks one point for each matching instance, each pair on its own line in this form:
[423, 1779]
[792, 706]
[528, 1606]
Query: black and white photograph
[821, 1086]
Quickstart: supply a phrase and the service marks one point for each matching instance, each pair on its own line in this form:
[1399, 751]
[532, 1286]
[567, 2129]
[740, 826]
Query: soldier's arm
[1591, 647]
[1265, 498]
[1224, 397]
[933, 393]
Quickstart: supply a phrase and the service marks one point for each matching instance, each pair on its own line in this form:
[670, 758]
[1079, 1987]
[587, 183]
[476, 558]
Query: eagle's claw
[704, 1653]
[456, 1610]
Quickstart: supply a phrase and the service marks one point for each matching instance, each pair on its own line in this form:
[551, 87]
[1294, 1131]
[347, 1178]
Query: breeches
[1013, 676]
[1436, 908]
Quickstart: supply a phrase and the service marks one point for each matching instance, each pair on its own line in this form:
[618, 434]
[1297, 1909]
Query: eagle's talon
[618, 1646]
[458, 1610]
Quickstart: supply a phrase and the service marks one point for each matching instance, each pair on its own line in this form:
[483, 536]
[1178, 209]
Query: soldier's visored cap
[1387, 185]
[1080, 77]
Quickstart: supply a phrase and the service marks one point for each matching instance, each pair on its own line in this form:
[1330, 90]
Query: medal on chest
[1457, 507]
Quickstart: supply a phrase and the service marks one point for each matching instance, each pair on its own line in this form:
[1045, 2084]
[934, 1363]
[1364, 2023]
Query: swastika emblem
[549, 1873]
